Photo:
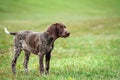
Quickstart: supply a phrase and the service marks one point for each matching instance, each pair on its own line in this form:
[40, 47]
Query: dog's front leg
[41, 56]
[48, 56]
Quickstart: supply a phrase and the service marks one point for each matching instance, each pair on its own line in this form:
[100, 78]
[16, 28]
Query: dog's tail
[11, 33]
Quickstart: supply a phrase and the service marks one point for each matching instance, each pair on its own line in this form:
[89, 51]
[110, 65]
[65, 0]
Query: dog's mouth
[66, 35]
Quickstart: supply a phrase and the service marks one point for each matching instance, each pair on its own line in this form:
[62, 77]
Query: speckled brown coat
[39, 43]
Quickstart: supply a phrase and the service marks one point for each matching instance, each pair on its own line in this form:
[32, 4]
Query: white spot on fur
[6, 31]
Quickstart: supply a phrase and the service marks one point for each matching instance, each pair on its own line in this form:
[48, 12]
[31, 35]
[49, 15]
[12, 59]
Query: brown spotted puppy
[39, 43]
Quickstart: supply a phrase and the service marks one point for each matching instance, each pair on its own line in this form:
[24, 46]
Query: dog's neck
[50, 38]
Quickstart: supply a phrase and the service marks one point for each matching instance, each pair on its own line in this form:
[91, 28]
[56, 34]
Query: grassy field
[92, 52]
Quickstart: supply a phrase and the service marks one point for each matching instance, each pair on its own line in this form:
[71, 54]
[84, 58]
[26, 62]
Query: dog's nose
[68, 33]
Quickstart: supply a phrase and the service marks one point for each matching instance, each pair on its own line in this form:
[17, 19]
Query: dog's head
[58, 30]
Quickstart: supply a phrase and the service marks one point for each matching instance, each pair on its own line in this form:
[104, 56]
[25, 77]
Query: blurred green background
[67, 10]
[92, 52]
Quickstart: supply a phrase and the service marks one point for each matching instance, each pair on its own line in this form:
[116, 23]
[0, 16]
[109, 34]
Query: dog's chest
[45, 48]
[45, 44]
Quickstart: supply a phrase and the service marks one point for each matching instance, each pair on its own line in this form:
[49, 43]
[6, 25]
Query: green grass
[92, 52]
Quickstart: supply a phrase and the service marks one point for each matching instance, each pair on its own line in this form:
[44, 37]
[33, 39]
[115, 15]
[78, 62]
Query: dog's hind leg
[27, 54]
[17, 52]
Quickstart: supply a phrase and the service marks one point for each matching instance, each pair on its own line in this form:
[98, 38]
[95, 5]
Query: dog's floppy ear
[52, 30]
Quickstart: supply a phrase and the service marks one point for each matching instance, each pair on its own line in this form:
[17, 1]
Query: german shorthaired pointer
[39, 43]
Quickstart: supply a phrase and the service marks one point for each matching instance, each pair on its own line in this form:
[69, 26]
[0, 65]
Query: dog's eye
[61, 27]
